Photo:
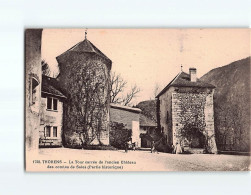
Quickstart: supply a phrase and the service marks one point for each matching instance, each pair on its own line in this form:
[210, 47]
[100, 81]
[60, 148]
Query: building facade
[129, 117]
[51, 119]
[185, 112]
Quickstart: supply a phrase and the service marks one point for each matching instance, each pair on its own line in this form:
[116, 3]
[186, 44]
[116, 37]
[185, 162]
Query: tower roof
[183, 80]
[85, 47]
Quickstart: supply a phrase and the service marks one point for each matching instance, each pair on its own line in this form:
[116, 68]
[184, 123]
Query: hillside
[232, 104]
[148, 109]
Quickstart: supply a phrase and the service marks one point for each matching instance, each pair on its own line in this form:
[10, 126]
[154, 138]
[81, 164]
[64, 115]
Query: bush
[119, 135]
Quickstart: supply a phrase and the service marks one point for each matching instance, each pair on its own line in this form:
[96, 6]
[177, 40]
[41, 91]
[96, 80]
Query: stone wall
[53, 119]
[193, 109]
[85, 79]
[32, 97]
[179, 105]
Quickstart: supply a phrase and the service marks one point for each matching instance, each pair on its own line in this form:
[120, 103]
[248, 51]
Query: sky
[150, 57]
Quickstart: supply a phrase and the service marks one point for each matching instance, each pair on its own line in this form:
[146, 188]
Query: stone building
[51, 117]
[129, 117]
[85, 80]
[185, 113]
[32, 88]
[147, 131]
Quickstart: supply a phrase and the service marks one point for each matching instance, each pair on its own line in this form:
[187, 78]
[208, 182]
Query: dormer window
[52, 104]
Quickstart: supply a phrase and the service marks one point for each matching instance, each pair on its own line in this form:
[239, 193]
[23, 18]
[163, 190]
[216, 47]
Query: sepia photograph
[156, 99]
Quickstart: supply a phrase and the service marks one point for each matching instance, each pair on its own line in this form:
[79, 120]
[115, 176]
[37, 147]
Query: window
[51, 131]
[52, 103]
[34, 90]
[47, 131]
[55, 131]
[49, 103]
[55, 104]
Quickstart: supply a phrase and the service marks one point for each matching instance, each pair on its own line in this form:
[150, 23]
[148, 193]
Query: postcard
[137, 100]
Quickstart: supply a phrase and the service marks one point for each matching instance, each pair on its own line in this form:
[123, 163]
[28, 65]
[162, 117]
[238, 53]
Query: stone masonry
[187, 106]
[186, 112]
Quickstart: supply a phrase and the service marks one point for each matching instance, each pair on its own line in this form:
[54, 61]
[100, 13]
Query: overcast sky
[147, 57]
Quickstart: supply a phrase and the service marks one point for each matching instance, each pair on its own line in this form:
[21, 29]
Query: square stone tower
[185, 112]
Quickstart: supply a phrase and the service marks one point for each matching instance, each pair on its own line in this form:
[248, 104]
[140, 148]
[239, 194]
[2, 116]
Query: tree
[118, 86]
[45, 68]
[156, 89]
[230, 134]
[119, 135]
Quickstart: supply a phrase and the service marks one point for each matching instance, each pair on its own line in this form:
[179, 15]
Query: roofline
[54, 94]
[126, 108]
[168, 85]
[93, 51]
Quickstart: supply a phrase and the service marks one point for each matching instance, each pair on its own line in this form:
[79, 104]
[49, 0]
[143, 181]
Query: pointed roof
[183, 80]
[85, 47]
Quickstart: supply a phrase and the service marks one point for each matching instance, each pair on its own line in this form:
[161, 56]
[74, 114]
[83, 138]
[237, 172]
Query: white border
[16, 16]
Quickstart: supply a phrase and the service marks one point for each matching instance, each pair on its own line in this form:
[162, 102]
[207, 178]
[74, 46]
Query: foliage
[148, 109]
[119, 135]
[45, 68]
[89, 98]
[230, 133]
[232, 104]
[193, 120]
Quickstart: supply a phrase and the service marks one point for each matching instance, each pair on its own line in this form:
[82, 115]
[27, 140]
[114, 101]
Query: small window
[167, 117]
[47, 131]
[49, 103]
[52, 103]
[55, 131]
[55, 104]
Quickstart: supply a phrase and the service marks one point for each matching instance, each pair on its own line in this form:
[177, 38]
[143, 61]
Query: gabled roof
[183, 80]
[85, 47]
[49, 87]
[146, 122]
[127, 108]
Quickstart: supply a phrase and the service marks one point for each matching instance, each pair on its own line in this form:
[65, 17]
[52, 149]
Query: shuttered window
[47, 131]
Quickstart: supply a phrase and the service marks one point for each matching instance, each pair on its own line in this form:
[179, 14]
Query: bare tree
[45, 68]
[118, 86]
[156, 89]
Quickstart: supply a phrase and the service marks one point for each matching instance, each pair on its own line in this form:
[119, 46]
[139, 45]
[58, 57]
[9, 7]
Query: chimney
[192, 72]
